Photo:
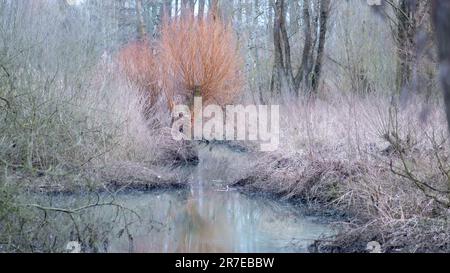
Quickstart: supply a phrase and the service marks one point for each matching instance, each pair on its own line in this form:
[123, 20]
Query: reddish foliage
[137, 61]
[193, 55]
[200, 54]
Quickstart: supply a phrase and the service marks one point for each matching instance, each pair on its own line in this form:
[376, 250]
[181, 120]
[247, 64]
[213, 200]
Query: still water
[219, 221]
[206, 217]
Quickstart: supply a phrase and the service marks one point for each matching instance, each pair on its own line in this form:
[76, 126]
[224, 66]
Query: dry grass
[69, 121]
[76, 131]
[338, 157]
[137, 61]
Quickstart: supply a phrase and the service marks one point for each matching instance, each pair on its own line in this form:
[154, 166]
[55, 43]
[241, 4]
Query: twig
[8, 104]
[80, 209]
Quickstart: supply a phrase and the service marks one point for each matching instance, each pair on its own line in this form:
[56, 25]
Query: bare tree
[306, 64]
[185, 6]
[201, 8]
[311, 64]
[282, 68]
[405, 38]
[142, 33]
[214, 8]
[294, 15]
[192, 5]
[324, 14]
[441, 15]
[168, 8]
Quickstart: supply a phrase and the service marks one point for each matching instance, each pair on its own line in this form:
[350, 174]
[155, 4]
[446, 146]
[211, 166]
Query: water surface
[208, 217]
[218, 221]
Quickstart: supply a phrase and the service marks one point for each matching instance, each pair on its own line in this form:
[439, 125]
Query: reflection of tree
[203, 228]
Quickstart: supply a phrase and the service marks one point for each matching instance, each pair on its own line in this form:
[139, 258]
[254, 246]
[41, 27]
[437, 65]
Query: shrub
[199, 55]
[137, 61]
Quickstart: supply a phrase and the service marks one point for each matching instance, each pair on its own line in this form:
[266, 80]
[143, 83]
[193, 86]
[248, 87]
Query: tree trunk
[259, 92]
[142, 33]
[201, 8]
[177, 3]
[184, 7]
[168, 8]
[192, 5]
[270, 7]
[441, 15]
[240, 12]
[324, 14]
[275, 84]
[282, 68]
[310, 68]
[294, 15]
[406, 29]
[214, 7]
[306, 64]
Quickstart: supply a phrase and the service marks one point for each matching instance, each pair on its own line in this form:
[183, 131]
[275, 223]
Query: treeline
[298, 38]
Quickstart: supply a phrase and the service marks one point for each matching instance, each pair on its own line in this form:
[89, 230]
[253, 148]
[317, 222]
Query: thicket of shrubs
[380, 168]
[193, 54]
[60, 120]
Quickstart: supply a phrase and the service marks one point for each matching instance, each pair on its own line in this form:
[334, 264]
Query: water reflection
[216, 221]
[211, 218]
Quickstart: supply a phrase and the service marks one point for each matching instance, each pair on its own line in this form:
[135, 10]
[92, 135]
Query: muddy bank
[124, 176]
[304, 182]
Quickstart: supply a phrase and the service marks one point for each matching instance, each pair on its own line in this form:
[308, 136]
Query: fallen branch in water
[78, 210]
[8, 104]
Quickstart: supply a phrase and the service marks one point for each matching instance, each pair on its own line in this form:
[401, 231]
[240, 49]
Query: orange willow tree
[199, 57]
[137, 62]
[195, 56]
